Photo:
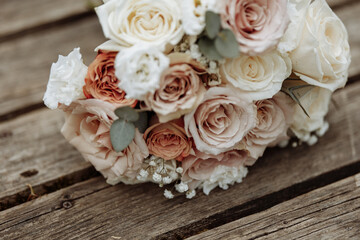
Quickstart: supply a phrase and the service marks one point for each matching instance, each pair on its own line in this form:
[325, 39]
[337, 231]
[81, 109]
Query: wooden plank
[31, 63]
[28, 60]
[141, 211]
[331, 212]
[19, 15]
[32, 151]
[35, 13]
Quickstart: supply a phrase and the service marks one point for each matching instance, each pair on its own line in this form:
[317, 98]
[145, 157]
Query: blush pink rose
[168, 140]
[101, 82]
[258, 25]
[200, 167]
[87, 128]
[221, 120]
[181, 88]
[274, 117]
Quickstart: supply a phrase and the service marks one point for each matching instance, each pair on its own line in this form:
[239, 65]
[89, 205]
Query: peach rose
[168, 140]
[274, 117]
[181, 88]
[201, 166]
[87, 128]
[101, 82]
[258, 25]
[221, 120]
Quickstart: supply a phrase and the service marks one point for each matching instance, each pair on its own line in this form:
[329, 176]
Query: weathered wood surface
[331, 212]
[32, 62]
[32, 151]
[141, 210]
[17, 16]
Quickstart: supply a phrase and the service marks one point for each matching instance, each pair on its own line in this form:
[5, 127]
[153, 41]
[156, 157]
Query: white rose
[297, 10]
[316, 102]
[193, 18]
[128, 22]
[66, 81]
[323, 55]
[259, 77]
[139, 69]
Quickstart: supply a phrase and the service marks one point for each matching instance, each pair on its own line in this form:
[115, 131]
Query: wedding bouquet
[191, 92]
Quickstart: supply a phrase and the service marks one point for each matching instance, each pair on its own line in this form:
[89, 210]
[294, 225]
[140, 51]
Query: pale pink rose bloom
[258, 25]
[221, 120]
[181, 88]
[87, 128]
[274, 117]
[200, 167]
[168, 140]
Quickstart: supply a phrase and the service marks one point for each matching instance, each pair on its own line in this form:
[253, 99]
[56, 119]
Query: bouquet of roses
[191, 92]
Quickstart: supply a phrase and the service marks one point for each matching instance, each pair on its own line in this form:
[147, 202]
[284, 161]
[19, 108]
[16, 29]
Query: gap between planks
[330, 212]
[27, 87]
[140, 210]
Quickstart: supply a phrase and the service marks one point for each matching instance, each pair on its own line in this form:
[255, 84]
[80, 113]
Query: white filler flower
[139, 69]
[67, 78]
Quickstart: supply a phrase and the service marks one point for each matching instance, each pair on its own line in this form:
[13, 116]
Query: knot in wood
[67, 204]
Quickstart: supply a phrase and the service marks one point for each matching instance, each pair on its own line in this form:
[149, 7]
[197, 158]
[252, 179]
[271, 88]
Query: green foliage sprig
[122, 131]
[217, 43]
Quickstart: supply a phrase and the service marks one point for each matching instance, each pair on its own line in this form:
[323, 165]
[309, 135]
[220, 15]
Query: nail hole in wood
[67, 204]
[29, 173]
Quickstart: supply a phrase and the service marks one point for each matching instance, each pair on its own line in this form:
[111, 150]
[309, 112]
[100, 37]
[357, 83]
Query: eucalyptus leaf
[127, 113]
[213, 24]
[142, 123]
[207, 47]
[226, 44]
[121, 133]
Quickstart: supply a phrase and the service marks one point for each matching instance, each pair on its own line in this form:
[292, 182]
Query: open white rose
[316, 102]
[66, 81]
[323, 55]
[259, 77]
[193, 18]
[128, 22]
[297, 10]
[139, 69]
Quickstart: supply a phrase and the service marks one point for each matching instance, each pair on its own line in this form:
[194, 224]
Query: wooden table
[302, 193]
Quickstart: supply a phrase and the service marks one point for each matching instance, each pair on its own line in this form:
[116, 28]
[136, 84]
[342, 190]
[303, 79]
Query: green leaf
[127, 113]
[226, 44]
[207, 47]
[213, 24]
[142, 123]
[121, 133]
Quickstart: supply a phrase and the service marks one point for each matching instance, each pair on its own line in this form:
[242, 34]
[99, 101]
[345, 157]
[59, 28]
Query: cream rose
[87, 127]
[220, 121]
[66, 81]
[258, 25]
[140, 68]
[297, 10]
[130, 22]
[316, 102]
[209, 171]
[181, 88]
[323, 55]
[274, 117]
[259, 77]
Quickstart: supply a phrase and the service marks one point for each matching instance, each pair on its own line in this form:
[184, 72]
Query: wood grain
[31, 63]
[331, 212]
[28, 60]
[32, 151]
[20, 15]
[141, 211]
